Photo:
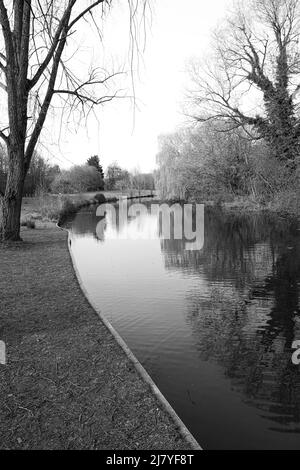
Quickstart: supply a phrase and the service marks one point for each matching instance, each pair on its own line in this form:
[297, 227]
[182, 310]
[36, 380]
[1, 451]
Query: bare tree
[34, 67]
[253, 80]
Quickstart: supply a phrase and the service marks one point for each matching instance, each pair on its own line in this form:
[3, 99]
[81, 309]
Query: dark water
[214, 327]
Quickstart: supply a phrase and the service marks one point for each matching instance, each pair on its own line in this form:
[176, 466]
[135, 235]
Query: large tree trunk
[281, 133]
[11, 202]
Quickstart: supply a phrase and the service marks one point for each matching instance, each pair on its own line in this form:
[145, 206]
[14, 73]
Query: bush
[78, 179]
[100, 198]
[29, 223]
[286, 202]
[201, 164]
[57, 208]
[67, 208]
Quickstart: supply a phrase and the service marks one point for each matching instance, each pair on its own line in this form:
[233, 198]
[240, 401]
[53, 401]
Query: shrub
[77, 180]
[67, 207]
[286, 202]
[100, 198]
[29, 223]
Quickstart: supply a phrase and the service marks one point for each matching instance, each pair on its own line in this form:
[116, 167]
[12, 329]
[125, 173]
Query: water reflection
[252, 316]
[233, 307]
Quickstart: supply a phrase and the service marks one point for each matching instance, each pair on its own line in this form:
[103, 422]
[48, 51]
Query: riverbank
[56, 208]
[283, 206]
[67, 383]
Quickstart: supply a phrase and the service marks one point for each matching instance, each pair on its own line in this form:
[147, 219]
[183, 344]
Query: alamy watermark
[177, 222]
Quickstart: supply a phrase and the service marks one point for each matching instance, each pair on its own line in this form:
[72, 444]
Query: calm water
[215, 327]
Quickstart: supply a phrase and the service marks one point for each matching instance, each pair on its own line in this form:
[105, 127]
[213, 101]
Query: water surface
[214, 327]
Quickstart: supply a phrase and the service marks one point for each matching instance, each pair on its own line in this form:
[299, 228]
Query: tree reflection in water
[243, 316]
[251, 318]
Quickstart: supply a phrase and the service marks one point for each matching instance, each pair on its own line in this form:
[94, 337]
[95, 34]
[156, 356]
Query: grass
[29, 223]
[48, 207]
[67, 383]
[54, 208]
[285, 203]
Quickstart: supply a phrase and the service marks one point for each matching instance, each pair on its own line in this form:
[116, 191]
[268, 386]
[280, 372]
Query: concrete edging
[185, 433]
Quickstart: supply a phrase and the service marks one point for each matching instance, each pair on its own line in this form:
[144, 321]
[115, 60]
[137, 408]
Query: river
[214, 327]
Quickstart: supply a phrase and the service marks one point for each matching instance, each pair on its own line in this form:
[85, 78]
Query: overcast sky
[179, 30]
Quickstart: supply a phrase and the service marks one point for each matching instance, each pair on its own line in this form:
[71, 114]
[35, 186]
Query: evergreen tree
[95, 162]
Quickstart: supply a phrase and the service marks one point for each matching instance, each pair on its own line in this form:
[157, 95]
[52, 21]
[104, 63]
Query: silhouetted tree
[33, 68]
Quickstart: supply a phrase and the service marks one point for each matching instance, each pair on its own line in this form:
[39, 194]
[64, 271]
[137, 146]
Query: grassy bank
[286, 204]
[54, 208]
[67, 383]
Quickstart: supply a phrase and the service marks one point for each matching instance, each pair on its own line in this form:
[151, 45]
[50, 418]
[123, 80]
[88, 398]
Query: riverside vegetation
[243, 143]
[203, 165]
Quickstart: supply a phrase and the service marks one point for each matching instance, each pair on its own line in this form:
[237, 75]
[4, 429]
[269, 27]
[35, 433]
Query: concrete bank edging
[183, 430]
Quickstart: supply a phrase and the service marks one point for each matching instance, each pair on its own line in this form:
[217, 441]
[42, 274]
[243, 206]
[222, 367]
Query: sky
[122, 132]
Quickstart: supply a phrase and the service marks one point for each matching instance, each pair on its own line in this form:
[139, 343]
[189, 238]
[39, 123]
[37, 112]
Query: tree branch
[85, 98]
[56, 40]
[24, 44]
[11, 64]
[4, 87]
[7, 34]
[87, 10]
[4, 137]
[48, 97]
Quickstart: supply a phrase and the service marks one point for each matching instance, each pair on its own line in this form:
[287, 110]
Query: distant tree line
[121, 180]
[90, 177]
[40, 176]
[80, 178]
[45, 177]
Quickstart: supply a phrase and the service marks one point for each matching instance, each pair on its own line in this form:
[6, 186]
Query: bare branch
[48, 97]
[56, 40]
[3, 136]
[4, 87]
[84, 12]
[7, 33]
[85, 98]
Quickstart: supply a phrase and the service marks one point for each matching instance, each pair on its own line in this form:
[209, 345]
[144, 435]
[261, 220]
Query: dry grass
[67, 384]
[48, 207]
[286, 202]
